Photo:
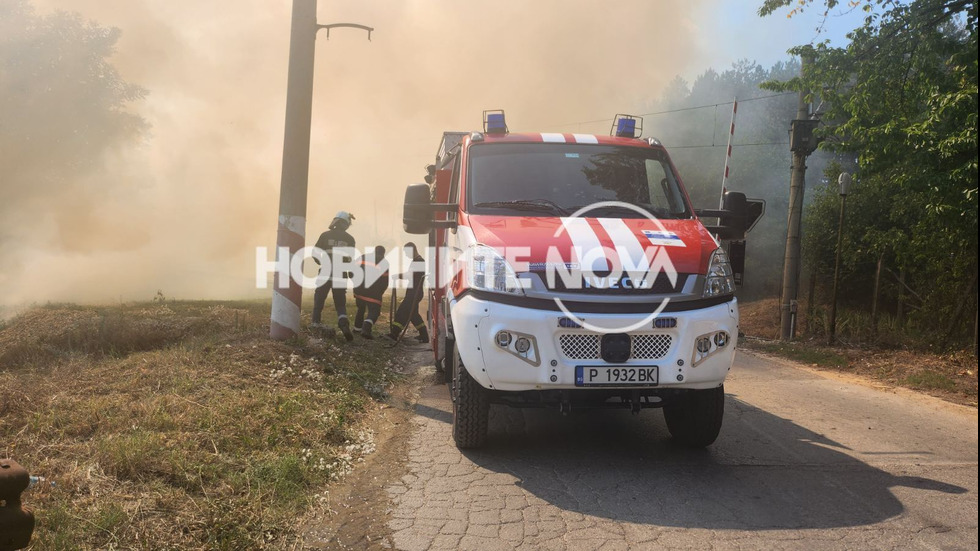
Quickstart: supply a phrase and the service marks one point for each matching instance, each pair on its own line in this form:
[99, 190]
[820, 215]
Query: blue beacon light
[494, 122]
[627, 126]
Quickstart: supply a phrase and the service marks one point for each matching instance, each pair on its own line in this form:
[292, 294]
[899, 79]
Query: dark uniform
[368, 294]
[336, 236]
[408, 310]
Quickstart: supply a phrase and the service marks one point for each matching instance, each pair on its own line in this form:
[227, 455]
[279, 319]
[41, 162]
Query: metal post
[287, 295]
[810, 297]
[832, 329]
[900, 307]
[791, 259]
[874, 299]
[976, 318]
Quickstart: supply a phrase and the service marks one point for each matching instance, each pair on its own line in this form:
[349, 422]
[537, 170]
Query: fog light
[704, 345]
[721, 339]
[522, 345]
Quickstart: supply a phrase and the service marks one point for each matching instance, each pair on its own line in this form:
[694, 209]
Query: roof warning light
[627, 126]
[494, 122]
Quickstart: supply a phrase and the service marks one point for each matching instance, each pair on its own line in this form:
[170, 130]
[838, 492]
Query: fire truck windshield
[559, 179]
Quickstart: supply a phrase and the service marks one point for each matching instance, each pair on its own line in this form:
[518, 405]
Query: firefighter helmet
[343, 220]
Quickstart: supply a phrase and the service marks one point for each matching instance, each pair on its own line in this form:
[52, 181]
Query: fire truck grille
[650, 347]
[586, 346]
[578, 346]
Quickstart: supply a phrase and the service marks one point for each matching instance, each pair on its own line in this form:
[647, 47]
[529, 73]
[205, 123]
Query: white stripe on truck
[632, 257]
[585, 243]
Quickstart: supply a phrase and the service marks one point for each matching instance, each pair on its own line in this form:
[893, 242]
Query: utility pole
[287, 295]
[801, 145]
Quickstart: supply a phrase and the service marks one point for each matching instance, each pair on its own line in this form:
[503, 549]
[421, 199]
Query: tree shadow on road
[763, 473]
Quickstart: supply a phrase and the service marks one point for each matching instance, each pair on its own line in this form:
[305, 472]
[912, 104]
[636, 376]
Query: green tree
[902, 97]
[696, 137]
[62, 106]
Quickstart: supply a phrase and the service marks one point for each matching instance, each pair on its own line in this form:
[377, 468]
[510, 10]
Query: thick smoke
[186, 206]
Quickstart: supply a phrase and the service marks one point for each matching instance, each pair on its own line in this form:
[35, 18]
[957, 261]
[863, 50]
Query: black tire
[471, 407]
[695, 419]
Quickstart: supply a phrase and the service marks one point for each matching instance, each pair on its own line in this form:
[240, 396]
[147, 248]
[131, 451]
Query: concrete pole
[791, 259]
[287, 295]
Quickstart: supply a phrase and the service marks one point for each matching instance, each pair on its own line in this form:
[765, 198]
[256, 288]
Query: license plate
[626, 375]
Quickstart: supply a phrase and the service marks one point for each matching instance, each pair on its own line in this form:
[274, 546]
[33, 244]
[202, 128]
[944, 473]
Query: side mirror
[737, 217]
[736, 203]
[417, 212]
[734, 221]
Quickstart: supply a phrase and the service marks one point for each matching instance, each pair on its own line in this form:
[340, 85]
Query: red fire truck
[571, 271]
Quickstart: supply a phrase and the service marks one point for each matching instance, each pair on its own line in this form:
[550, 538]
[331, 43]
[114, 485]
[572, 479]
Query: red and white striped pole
[288, 295]
[728, 155]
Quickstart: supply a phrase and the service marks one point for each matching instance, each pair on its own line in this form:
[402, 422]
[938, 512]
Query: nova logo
[628, 264]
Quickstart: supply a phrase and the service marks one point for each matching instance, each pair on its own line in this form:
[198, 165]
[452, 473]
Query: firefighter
[408, 310]
[335, 237]
[368, 294]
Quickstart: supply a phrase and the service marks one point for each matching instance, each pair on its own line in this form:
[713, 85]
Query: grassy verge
[819, 356]
[951, 376]
[180, 425]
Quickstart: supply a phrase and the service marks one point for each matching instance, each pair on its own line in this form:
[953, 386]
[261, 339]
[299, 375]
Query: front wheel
[695, 419]
[471, 407]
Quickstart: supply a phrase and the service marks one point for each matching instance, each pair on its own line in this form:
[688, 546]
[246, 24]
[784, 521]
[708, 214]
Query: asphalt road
[805, 460]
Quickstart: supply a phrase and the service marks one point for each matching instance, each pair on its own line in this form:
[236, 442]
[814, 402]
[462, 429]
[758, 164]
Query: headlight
[719, 280]
[486, 270]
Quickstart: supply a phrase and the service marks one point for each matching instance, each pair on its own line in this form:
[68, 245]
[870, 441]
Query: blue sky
[734, 31]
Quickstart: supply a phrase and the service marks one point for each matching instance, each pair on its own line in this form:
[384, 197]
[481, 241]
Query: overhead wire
[725, 145]
[681, 109]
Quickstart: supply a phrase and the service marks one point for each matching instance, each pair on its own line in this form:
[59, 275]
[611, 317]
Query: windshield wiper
[536, 205]
[652, 209]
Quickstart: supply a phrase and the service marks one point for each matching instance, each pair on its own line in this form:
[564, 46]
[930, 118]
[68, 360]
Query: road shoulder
[835, 374]
[357, 512]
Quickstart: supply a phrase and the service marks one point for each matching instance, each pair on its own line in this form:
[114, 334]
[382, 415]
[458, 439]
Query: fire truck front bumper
[510, 347]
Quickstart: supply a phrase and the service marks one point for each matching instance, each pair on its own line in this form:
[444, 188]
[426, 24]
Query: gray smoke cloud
[188, 203]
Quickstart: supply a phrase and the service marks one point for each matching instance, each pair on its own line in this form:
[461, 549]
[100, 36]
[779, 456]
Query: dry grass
[760, 318]
[950, 376]
[179, 425]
